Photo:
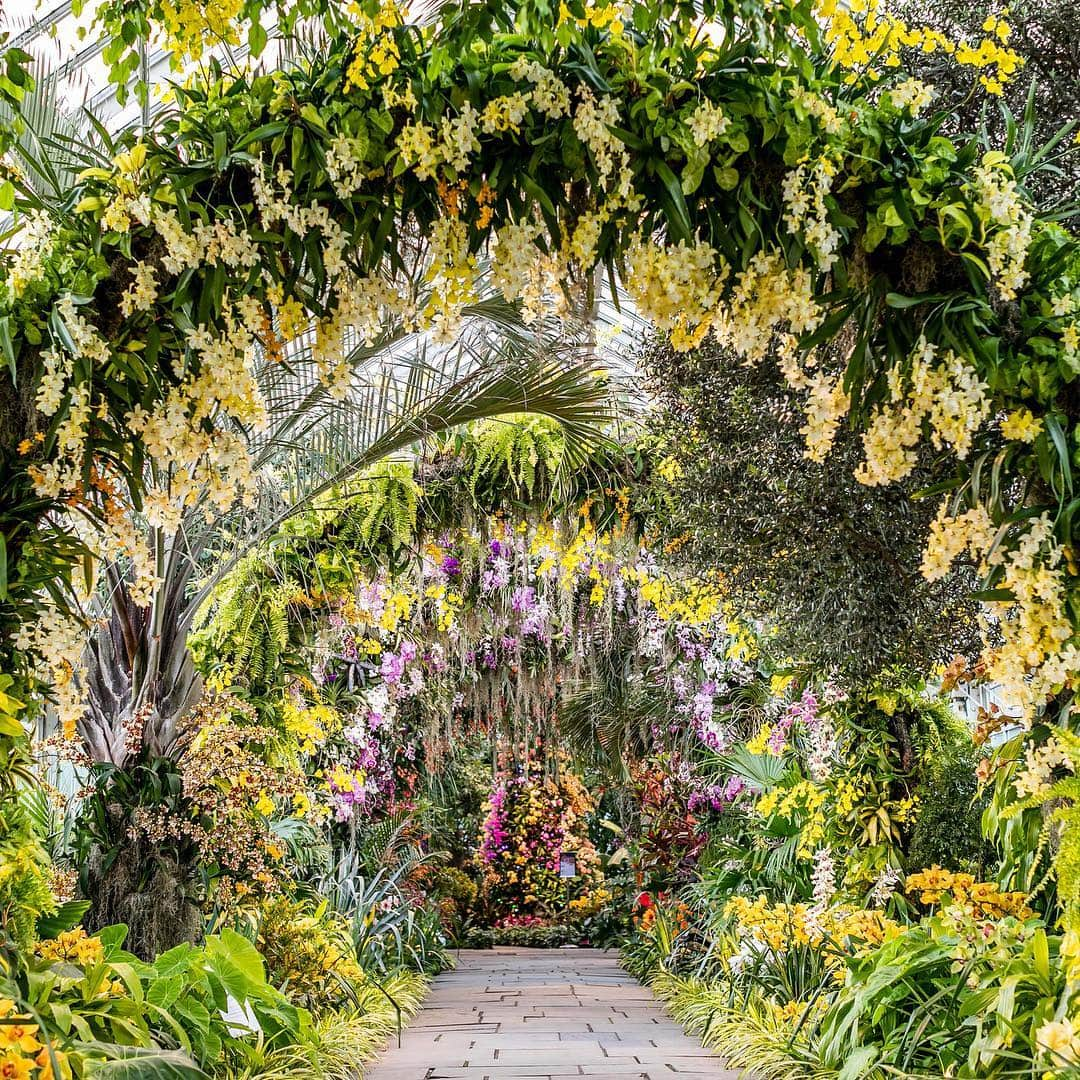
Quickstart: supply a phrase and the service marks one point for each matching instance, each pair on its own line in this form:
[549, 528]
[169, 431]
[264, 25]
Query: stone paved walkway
[507, 1014]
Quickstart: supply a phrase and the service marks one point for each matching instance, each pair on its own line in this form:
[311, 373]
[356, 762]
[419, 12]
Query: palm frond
[53, 138]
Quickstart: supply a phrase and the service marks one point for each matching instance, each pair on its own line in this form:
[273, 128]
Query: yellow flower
[131, 161]
[1021, 425]
[190, 25]
[19, 1037]
[1058, 1040]
[13, 1066]
[73, 945]
[115, 218]
[758, 744]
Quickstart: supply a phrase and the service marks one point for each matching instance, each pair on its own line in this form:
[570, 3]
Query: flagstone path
[551, 1014]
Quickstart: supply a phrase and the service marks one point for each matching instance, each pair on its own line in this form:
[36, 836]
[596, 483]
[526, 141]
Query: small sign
[567, 865]
[240, 1020]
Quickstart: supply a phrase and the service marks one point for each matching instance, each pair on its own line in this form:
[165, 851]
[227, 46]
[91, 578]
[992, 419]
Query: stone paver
[530, 1014]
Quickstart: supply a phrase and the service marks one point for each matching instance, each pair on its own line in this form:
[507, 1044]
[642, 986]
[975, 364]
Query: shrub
[536, 937]
[308, 952]
[456, 885]
[477, 937]
[948, 831]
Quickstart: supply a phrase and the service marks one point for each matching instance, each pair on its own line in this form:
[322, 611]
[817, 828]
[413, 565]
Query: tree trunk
[151, 893]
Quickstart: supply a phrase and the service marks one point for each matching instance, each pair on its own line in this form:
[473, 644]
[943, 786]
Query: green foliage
[831, 563]
[523, 458]
[1049, 817]
[382, 517]
[477, 937]
[339, 1041]
[455, 893]
[155, 885]
[948, 831]
[536, 937]
[189, 986]
[308, 952]
[748, 1035]
[369, 887]
[251, 615]
[908, 1006]
[25, 895]
[24, 890]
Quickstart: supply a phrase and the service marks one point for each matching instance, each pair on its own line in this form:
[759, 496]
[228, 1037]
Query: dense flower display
[445, 160]
[804, 901]
[532, 821]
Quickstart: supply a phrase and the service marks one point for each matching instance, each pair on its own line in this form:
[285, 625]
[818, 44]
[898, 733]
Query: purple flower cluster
[717, 796]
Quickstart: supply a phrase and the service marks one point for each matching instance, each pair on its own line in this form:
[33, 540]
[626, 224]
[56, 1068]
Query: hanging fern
[378, 519]
[246, 626]
[382, 515]
[524, 457]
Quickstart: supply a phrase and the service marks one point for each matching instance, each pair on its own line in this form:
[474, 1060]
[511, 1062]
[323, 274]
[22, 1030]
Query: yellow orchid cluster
[448, 603]
[676, 600]
[980, 899]
[760, 743]
[1034, 655]
[376, 52]
[380, 606]
[792, 1012]
[691, 601]
[308, 724]
[344, 779]
[782, 926]
[605, 14]
[190, 26]
[75, 946]
[805, 798]
[589, 903]
[1022, 425]
[865, 38]
[23, 1054]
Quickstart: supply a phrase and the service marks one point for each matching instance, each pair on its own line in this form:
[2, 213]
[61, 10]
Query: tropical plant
[24, 888]
[832, 563]
[339, 1041]
[308, 952]
[946, 997]
[391, 923]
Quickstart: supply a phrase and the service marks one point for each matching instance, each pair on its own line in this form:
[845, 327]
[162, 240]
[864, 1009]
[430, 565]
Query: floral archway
[767, 177]
[796, 203]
